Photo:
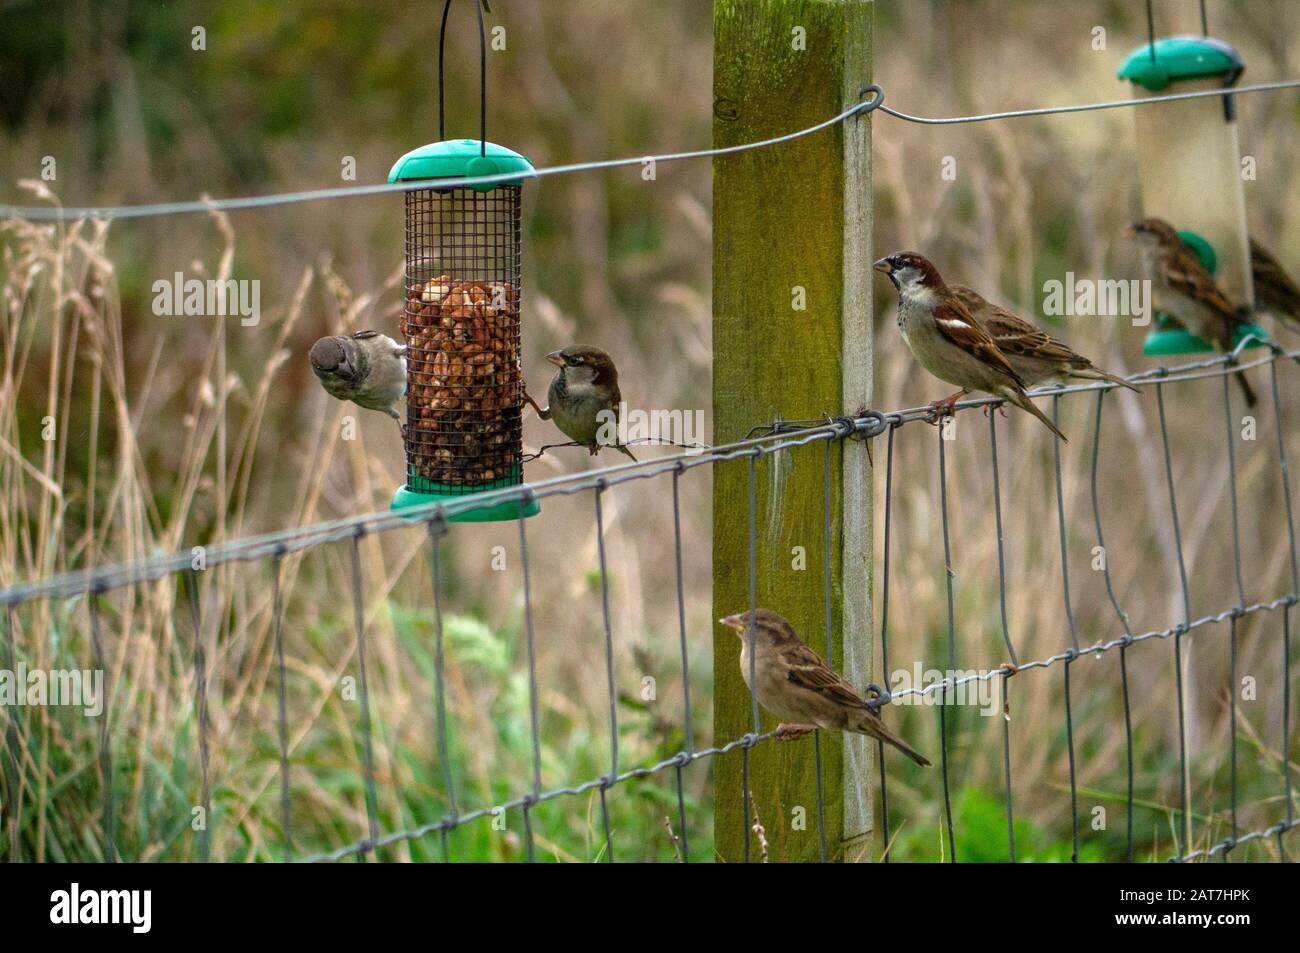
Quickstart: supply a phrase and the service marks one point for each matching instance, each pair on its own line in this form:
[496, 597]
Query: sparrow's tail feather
[1024, 403]
[623, 449]
[1247, 390]
[877, 728]
[1097, 374]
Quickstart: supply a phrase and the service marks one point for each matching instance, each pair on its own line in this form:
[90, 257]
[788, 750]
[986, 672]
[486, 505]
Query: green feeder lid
[1181, 57]
[421, 492]
[461, 158]
[1170, 338]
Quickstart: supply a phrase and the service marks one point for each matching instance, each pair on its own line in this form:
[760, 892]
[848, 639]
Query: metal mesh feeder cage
[1189, 166]
[464, 393]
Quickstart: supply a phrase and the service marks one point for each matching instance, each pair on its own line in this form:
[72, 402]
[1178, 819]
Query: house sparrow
[1033, 354]
[947, 341]
[586, 385]
[367, 368]
[1275, 292]
[1186, 291]
[797, 686]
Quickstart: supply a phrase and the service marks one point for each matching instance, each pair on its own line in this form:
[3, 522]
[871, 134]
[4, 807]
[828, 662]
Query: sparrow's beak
[883, 266]
[1131, 232]
[736, 622]
[556, 358]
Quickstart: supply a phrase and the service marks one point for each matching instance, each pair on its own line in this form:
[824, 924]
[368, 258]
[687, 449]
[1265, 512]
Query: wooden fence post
[792, 338]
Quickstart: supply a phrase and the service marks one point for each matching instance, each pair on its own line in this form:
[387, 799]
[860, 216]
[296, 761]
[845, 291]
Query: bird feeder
[1189, 166]
[464, 391]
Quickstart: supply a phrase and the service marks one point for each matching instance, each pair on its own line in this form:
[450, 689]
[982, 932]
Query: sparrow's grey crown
[909, 270]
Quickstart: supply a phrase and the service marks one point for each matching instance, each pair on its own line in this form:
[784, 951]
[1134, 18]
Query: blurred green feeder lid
[1181, 57]
[461, 158]
[419, 492]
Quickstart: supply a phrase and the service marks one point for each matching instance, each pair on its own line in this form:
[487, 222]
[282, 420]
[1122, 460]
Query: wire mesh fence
[52, 603]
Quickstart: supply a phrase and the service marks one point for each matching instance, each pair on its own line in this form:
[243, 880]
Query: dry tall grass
[171, 433]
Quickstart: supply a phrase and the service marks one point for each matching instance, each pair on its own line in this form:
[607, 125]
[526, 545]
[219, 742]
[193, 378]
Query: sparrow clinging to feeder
[947, 341]
[793, 683]
[1036, 356]
[1275, 291]
[367, 368]
[586, 385]
[1186, 291]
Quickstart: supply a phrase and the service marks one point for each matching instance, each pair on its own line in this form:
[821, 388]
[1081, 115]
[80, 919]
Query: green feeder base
[425, 492]
[1169, 338]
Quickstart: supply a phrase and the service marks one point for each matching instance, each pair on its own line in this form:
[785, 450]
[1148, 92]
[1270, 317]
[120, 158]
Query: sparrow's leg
[940, 409]
[791, 732]
[1002, 409]
[543, 414]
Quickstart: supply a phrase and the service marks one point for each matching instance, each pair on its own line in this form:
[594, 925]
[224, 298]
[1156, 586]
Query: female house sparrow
[947, 341]
[1186, 291]
[1275, 292]
[367, 368]
[586, 385]
[794, 684]
[1036, 356]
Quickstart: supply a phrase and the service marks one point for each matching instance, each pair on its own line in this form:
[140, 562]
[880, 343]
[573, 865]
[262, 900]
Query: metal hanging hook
[479, 6]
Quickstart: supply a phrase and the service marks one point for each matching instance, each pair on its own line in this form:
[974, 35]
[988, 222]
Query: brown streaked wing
[810, 672]
[956, 324]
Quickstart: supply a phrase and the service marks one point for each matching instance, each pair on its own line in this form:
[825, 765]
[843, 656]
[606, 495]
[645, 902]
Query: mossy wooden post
[792, 338]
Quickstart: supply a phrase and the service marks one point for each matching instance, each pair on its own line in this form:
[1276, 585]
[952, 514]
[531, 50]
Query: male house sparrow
[1186, 291]
[947, 341]
[367, 368]
[1036, 356]
[1275, 291]
[586, 385]
[794, 684]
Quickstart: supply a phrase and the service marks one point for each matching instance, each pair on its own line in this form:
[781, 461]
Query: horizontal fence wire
[780, 437]
[875, 103]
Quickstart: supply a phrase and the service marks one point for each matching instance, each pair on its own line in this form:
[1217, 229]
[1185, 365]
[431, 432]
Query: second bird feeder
[1189, 164]
[464, 394]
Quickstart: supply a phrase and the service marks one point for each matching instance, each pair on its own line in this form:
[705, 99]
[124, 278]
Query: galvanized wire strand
[452, 817]
[534, 721]
[997, 522]
[1284, 474]
[884, 631]
[200, 708]
[688, 726]
[870, 424]
[1122, 616]
[952, 645]
[1090, 107]
[1185, 820]
[368, 751]
[105, 734]
[1006, 764]
[1229, 435]
[38, 213]
[277, 612]
[59, 213]
[1074, 635]
[1276, 830]
[609, 676]
[744, 743]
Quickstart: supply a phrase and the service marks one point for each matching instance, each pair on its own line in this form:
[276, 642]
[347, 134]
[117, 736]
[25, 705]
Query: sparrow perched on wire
[947, 341]
[586, 385]
[1036, 356]
[1186, 291]
[794, 684]
[1275, 291]
[367, 368]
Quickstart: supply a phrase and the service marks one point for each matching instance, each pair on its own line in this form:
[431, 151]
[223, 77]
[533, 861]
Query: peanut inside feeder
[461, 324]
